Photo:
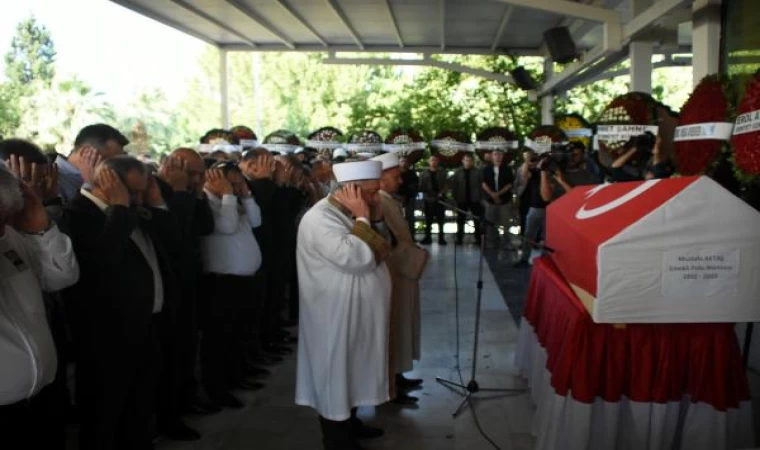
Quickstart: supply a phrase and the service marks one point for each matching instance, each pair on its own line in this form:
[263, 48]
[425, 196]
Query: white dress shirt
[232, 248]
[148, 250]
[30, 264]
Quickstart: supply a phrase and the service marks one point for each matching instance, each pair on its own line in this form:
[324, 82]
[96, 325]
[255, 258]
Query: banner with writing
[704, 131]
[622, 133]
[747, 123]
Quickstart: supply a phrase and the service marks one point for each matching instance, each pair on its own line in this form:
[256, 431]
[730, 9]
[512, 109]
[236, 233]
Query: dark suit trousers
[474, 207]
[116, 388]
[222, 342]
[434, 212]
[36, 423]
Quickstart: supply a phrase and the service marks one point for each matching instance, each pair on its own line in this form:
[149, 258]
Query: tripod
[469, 390]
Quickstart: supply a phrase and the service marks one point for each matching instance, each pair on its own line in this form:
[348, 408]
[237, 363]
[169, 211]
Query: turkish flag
[674, 250]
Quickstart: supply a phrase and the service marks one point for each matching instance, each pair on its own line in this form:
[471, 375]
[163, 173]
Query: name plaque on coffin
[659, 251]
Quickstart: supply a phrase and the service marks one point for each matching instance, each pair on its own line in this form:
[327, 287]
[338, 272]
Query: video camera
[644, 143]
[558, 158]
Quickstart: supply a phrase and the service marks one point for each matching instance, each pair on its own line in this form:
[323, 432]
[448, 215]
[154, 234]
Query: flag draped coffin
[659, 251]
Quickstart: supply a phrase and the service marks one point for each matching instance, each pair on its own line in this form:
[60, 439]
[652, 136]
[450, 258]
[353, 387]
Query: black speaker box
[560, 44]
[523, 79]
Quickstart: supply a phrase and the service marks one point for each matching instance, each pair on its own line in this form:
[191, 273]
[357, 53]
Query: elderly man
[124, 237]
[345, 306]
[36, 257]
[405, 300]
[93, 144]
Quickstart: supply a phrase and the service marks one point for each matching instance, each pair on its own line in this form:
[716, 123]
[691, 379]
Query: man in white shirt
[231, 258]
[345, 295]
[34, 256]
[124, 236]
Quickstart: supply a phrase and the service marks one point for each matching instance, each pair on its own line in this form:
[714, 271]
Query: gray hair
[11, 197]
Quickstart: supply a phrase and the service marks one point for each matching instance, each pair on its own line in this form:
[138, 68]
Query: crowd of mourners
[132, 294]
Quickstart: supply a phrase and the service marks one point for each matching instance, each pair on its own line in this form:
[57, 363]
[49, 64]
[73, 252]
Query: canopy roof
[407, 26]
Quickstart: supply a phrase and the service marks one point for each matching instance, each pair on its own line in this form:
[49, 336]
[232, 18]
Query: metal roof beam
[443, 24]
[649, 17]
[391, 48]
[301, 20]
[395, 23]
[165, 20]
[427, 62]
[502, 26]
[205, 16]
[342, 16]
[260, 21]
[567, 8]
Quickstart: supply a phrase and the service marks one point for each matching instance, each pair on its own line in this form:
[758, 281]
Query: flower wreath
[408, 143]
[366, 141]
[496, 139]
[450, 147]
[746, 144]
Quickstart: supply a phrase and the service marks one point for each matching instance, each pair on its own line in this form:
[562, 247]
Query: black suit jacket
[505, 178]
[195, 219]
[263, 191]
[111, 307]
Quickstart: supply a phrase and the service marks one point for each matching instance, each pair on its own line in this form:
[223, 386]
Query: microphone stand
[473, 387]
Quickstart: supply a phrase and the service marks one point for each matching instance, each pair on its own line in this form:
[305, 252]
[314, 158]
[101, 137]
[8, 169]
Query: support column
[223, 89]
[705, 40]
[547, 101]
[641, 66]
[640, 54]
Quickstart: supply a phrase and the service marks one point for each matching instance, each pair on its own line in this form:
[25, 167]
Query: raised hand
[112, 187]
[174, 172]
[350, 196]
[50, 182]
[32, 218]
[154, 197]
[86, 160]
[217, 183]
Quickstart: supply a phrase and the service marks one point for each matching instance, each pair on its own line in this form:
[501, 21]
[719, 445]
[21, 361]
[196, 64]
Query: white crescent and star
[584, 213]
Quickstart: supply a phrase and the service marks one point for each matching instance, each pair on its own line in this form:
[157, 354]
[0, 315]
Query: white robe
[344, 317]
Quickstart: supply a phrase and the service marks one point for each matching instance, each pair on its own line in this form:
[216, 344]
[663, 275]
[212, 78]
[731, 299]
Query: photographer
[539, 190]
[644, 147]
[568, 169]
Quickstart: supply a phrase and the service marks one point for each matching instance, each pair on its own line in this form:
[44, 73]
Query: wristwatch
[49, 227]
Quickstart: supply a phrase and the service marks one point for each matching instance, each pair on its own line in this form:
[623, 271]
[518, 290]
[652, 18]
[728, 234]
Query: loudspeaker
[523, 79]
[560, 44]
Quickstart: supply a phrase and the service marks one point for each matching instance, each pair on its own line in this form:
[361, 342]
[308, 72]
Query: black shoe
[247, 385]
[203, 408]
[278, 350]
[362, 431]
[257, 372]
[178, 431]
[407, 383]
[405, 400]
[442, 241]
[426, 241]
[228, 401]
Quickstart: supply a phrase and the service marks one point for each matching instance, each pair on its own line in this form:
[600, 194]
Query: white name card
[700, 272]
[747, 123]
[618, 133]
[704, 131]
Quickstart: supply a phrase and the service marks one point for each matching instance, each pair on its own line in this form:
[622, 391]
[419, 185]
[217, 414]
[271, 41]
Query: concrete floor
[272, 421]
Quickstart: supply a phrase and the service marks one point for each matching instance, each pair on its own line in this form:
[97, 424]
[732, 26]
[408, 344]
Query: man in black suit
[181, 179]
[497, 184]
[123, 235]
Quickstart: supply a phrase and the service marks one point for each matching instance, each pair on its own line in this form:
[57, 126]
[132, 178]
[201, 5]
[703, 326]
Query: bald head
[195, 166]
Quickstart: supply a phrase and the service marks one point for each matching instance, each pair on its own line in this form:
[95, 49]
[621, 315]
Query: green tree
[32, 55]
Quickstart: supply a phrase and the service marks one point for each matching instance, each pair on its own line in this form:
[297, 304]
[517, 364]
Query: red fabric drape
[646, 363]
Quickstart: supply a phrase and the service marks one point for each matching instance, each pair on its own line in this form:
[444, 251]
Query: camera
[644, 143]
[558, 158]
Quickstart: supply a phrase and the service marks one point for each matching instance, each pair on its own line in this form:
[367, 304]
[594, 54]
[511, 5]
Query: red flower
[747, 146]
[707, 103]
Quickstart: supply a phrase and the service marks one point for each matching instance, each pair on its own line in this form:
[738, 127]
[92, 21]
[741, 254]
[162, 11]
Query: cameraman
[575, 171]
[538, 190]
[646, 147]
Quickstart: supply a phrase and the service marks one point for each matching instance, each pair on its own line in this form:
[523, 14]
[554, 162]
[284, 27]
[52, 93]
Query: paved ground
[271, 420]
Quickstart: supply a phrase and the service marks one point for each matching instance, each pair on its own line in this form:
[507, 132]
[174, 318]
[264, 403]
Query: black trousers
[252, 315]
[224, 332]
[434, 212]
[522, 210]
[35, 423]
[409, 205]
[116, 383]
[477, 209]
